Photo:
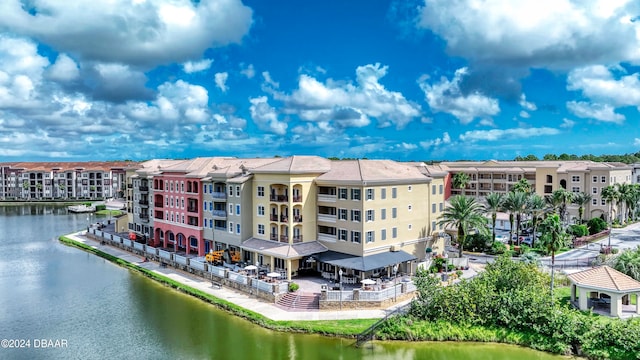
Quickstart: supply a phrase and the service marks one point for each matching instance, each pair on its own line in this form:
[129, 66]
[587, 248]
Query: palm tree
[562, 197]
[516, 203]
[624, 197]
[522, 186]
[536, 206]
[460, 180]
[609, 194]
[553, 239]
[628, 262]
[581, 199]
[493, 206]
[465, 214]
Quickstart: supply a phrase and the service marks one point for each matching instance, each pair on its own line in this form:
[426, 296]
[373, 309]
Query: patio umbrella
[273, 274]
[368, 282]
[251, 267]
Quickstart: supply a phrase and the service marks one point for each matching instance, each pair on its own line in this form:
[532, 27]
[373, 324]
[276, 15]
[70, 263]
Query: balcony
[129, 186]
[279, 198]
[144, 216]
[219, 214]
[273, 237]
[297, 218]
[327, 237]
[192, 209]
[297, 199]
[273, 217]
[219, 195]
[144, 202]
[144, 189]
[284, 219]
[297, 239]
[327, 218]
[284, 238]
[158, 204]
[327, 198]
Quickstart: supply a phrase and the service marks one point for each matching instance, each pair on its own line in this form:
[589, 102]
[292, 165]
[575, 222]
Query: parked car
[502, 238]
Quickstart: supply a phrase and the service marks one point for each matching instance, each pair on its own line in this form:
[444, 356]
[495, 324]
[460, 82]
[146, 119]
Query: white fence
[151, 250]
[217, 271]
[164, 254]
[196, 265]
[237, 278]
[138, 246]
[335, 296]
[180, 259]
[128, 243]
[263, 285]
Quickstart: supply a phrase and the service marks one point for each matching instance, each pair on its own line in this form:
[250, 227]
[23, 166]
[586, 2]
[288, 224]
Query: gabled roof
[283, 250]
[605, 277]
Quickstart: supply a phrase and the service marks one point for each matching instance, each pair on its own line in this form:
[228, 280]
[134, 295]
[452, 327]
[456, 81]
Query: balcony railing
[158, 204]
[327, 218]
[222, 228]
[297, 199]
[144, 216]
[297, 239]
[273, 237]
[192, 209]
[219, 213]
[327, 198]
[144, 188]
[219, 195]
[143, 202]
[284, 238]
[273, 217]
[327, 237]
[297, 218]
[284, 219]
[279, 198]
[129, 186]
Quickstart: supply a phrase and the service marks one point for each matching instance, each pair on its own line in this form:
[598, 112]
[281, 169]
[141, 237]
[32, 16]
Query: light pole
[340, 281]
[395, 282]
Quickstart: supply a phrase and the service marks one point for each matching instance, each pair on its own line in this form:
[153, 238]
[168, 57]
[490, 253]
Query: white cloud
[437, 142]
[21, 71]
[599, 84]
[64, 69]
[197, 66]
[407, 146]
[269, 81]
[636, 142]
[266, 116]
[348, 104]
[445, 96]
[526, 104]
[567, 123]
[142, 33]
[221, 81]
[597, 111]
[524, 114]
[499, 134]
[536, 33]
[249, 71]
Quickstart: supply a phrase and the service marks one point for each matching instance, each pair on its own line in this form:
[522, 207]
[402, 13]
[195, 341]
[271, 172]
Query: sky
[399, 79]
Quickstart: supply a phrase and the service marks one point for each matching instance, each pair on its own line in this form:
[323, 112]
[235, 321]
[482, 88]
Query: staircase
[298, 301]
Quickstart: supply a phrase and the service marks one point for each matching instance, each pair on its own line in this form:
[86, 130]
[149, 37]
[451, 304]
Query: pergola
[590, 284]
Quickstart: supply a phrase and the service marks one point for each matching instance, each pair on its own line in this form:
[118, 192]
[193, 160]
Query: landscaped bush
[293, 287]
[596, 225]
[101, 207]
[497, 248]
[578, 230]
[477, 242]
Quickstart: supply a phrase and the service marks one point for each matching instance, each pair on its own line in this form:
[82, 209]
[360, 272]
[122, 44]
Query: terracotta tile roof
[605, 277]
[71, 166]
[297, 165]
[373, 171]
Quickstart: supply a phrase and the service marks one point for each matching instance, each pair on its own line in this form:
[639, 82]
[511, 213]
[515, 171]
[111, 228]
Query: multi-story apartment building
[63, 180]
[289, 213]
[544, 177]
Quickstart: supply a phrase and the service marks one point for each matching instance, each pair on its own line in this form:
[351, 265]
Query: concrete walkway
[266, 309]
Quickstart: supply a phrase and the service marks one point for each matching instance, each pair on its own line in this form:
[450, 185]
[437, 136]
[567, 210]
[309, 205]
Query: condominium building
[291, 213]
[544, 177]
[62, 180]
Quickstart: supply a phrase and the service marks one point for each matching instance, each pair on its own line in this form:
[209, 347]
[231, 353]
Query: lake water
[53, 295]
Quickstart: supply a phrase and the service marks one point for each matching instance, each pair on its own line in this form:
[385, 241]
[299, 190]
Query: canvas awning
[364, 263]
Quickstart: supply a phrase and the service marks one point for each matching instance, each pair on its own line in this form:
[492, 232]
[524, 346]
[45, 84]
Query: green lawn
[110, 212]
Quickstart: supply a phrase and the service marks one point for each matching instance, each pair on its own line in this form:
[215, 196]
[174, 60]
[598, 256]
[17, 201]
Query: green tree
[625, 196]
[515, 203]
[628, 262]
[581, 199]
[610, 195]
[536, 207]
[463, 213]
[522, 186]
[553, 239]
[460, 180]
[493, 206]
[562, 197]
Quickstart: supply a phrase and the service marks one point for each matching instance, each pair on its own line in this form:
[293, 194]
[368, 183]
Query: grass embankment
[343, 328]
[112, 213]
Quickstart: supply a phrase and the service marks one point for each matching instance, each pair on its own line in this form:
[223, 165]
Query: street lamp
[340, 281]
[395, 282]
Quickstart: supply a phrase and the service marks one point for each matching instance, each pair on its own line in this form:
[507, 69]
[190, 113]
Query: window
[594, 190]
[210, 188]
[355, 215]
[410, 227]
[237, 228]
[204, 188]
[433, 189]
[181, 186]
[237, 190]
[433, 226]
[230, 190]
[394, 193]
[441, 191]
[383, 214]
[355, 194]
[383, 193]
[575, 189]
[182, 203]
[370, 236]
[342, 234]
[230, 209]
[383, 234]
[261, 229]
[433, 207]
[603, 179]
[370, 194]
[441, 206]
[260, 210]
[394, 213]
[355, 236]
[603, 202]
[575, 178]
[409, 188]
[342, 214]
[231, 227]
[594, 201]
[370, 215]
[237, 209]
[260, 191]
[409, 207]
[394, 232]
[594, 179]
[342, 194]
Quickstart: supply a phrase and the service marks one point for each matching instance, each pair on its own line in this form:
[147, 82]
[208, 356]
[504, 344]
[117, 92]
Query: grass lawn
[110, 212]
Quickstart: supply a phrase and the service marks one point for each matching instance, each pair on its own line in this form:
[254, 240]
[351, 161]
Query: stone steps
[299, 301]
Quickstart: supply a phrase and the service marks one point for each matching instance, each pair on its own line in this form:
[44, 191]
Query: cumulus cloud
[65, 69]
[117, 83]
[602, 112]
[500, 134]
[21, 71]
[221, 81]
[603, 85]
[139, 33]
[248, 71]
[349, 104]
[567, 123]
[446, 96]
[196, 66]
[524, 114]
[536, 33]
[266, 116]
[529, 106]
[269, 81]
[437, 142]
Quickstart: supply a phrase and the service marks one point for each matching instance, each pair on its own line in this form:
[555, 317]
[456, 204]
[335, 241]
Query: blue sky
[405, 80]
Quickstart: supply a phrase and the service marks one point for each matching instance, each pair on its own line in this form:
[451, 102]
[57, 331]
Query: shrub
[293, 287]
[477, 242]
[497, 248]
[596, 225]
[101, 207]
[578, 230]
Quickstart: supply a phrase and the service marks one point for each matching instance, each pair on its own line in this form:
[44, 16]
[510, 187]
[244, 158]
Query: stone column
[288, 269]
[583, 299]
[573, 292]
[616, 305]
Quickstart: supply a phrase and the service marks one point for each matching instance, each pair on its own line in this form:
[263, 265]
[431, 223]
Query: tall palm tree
[553, 238]
[464, 213]
[493, 206]
[610, 195]
[562, 197]
[522, 186]
[516, 203]
[581, 199]
[624, 197]
[536, 206]
[460, 181]
[628, 262]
